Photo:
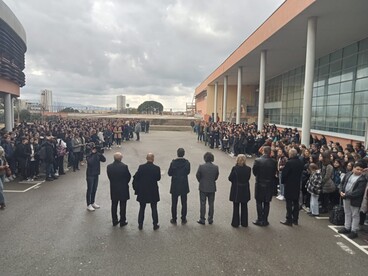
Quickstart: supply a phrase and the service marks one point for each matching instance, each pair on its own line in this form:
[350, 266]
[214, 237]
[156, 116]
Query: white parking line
[26, 190]
[345, 248]
[322, 217]
[361, 247]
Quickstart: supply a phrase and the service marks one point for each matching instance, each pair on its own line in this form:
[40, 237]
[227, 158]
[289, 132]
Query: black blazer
[264, 169]
[119, 176]
[239, 177]
[145, 183]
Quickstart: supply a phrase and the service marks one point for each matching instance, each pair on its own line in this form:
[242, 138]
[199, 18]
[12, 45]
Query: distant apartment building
[120, 103]
[46, 100]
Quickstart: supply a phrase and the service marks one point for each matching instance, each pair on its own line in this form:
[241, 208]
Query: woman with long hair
[240, 192]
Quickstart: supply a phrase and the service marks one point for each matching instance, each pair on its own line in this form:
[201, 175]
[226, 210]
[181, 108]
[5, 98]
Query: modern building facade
[12, 61]
[306, 66]
[120, 103]
[46, 100]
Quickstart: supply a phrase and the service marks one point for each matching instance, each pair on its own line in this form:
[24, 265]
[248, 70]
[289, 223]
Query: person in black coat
[179, 170]
[119, 176]
[92, 173]
[146, 188]
[291, 177]
[239, 192]
[264, 169]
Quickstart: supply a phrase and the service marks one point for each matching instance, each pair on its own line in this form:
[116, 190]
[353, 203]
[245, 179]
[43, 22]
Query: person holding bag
[240, 192]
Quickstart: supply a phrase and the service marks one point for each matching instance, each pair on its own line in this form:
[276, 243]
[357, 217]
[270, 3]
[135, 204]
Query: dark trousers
[92, 183]
[76, 160]
[60, 164]
[114, 208]
[292, 210]
[142, 208]
[32, 168]
[211, 200]
[263, 209]
[137, 133]
[22, 162]
[174, 205]
[241, 218]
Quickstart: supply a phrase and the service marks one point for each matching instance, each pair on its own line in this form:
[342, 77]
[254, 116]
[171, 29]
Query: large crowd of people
[54, 147]
[325, 166]
[314, 177]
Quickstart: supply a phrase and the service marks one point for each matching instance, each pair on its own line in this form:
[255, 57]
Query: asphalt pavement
[46, 229]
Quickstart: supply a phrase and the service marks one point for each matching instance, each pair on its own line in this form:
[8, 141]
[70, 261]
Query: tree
[25, 115]
[69, 110]
[150, 106]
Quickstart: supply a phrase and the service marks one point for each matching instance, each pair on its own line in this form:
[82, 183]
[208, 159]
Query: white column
[7, 109]
[225, 99]
[215, 103]
[308, 84]
[12, 111]
[238, 95]
[262, 89]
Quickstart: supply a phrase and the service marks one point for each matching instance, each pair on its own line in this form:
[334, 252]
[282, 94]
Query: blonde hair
[241, 160]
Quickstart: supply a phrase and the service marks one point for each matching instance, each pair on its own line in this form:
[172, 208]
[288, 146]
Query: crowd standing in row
[315, 177]
[55, 147]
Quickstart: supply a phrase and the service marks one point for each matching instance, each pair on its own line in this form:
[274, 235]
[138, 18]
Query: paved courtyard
[46, 229]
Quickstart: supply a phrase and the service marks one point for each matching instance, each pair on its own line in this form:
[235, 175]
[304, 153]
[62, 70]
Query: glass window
[324, 61]
[323, 71]
[346, 87]
[345, 111]
[361, 84]
[360, 111]
[350, 61]
[332, 111]
[334, 88]
[362, 72]
[361, 97]
[346, 98]
[320, 112]
[351, 49]
[336, 55]
[347, 74]
[333, 100]
[363, 45]
[335, 67]
[345, 123]
[334, 78]
[363, 58]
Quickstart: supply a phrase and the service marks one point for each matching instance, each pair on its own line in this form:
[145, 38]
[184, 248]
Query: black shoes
[184, 221]
[353, 235]
[114, 223]
[140, 226]
[295, 222]
[344, 231]
[156, 226]
[258, 223]
[124, 223]
[49, 179]
[2, 206]
[286, 222]
[173, 221]
[201, 222]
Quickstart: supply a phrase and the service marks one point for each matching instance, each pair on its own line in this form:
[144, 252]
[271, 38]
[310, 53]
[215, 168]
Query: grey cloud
[135, 48]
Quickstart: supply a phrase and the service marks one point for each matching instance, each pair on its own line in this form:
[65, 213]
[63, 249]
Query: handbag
[337, 215]
[8, 172]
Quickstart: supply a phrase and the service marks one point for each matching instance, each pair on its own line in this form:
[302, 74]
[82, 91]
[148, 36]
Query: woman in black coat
[239, 192]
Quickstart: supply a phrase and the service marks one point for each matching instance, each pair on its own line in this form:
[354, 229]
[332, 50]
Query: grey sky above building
[92, 51]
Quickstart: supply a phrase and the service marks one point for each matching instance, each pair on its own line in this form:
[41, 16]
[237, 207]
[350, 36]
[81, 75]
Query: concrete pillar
[7, 110]
[262, 89]
[308, 84]
[238, 95]
[225, 99]
[215, 103]
[12, 111]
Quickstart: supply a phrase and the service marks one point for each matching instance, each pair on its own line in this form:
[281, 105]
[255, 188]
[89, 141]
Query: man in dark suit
[146, 188]
[179, 171]
[207, 175]
[264, 169]
[291, 177]
[119, 176]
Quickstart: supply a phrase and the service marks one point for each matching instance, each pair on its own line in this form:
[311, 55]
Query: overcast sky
[90, 51]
